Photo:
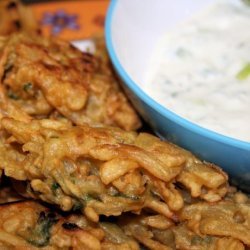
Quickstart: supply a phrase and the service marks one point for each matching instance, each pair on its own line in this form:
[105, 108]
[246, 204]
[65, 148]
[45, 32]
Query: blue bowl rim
[156, 106]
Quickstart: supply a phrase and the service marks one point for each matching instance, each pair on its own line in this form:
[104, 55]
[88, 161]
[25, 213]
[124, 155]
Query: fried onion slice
[152, 231]
[204, 180]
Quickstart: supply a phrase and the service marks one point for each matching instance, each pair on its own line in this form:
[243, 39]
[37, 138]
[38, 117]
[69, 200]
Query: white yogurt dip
[202, 66]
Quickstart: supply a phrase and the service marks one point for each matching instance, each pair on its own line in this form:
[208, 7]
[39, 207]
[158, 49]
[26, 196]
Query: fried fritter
[103, 170]
[156, 232]
[14, 17]
[224, 219]
[108, 171]
[185, 239]
[43, 76]
[29, 225]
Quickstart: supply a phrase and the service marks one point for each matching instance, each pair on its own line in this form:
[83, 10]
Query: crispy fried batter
[105, 170]
[186, 239]
[104, 65]
[156, 232]
[43, 75]
[204, 180]
[151, 231]
[224, 219]
[81, 161]
[9, 109]
[29, 225]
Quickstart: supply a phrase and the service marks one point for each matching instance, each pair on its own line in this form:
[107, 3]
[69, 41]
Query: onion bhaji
[28, 225]
[49, 77]
[162, 196]
[106, 171]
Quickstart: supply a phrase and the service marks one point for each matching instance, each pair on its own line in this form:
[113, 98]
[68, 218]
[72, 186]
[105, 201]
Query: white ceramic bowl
[133, 27]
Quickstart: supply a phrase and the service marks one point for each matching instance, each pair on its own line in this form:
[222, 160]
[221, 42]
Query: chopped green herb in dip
[244, 73]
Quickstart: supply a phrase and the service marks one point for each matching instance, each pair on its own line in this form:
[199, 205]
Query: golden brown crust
[106, 170]
[224, 219]
[30, 225]
[43, 75]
